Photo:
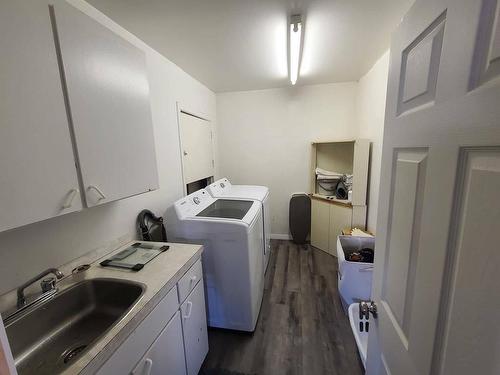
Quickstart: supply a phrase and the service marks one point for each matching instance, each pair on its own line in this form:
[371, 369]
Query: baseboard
[279, 236]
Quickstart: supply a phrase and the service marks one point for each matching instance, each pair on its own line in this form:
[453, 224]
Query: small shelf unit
[330, 215]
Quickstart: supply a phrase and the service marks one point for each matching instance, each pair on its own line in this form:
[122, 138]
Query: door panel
[196, 144]
[108, 93]
[403, 232]
[486, 63]
[442, 116]
[472, 269]
[419, 67]
[38, 177]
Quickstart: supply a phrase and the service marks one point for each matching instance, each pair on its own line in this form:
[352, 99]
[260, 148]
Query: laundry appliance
[224, 189]
[231, 231]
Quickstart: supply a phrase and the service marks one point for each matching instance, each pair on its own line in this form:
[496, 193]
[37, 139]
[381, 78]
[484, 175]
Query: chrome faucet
[48, 285]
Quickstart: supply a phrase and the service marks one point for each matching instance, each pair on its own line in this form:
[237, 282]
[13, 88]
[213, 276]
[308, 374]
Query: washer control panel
[219, 187]
[193, 204]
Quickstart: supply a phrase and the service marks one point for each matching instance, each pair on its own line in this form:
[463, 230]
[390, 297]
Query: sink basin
[49, 338]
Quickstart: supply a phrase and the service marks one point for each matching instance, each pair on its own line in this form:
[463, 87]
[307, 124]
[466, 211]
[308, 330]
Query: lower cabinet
[327, 221]
[166, 355]
[340, 218]
[194, 326]
[320, 217]
[172, 339]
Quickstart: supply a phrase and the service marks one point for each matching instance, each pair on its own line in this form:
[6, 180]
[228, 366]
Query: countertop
[159, 276]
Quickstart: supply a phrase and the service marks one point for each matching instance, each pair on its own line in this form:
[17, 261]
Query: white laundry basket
[354, 278]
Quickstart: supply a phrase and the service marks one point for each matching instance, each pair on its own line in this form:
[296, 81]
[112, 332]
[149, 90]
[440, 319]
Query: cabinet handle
[194, 278]
[189, 308]
[184, 153]
[69, 199]
[101, 194]
[148, 365]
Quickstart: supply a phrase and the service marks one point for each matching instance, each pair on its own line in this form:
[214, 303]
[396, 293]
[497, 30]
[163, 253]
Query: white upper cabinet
[38, 178]
[108, 94]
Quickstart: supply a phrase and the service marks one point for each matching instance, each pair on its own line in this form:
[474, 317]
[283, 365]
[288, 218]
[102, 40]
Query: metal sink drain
[69, 354]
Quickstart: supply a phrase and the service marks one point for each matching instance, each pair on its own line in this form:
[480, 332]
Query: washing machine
[231, 231]
[224, 189]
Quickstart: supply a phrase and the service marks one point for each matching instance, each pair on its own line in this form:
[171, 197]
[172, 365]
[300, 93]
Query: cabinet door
[194, 326]
[197, 153]
[38, 178]
[130, 352]
[320, 219]
[166, 355]
[108, 93]
[340, 218]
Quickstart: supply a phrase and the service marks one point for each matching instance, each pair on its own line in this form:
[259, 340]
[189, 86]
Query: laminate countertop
[158, 276]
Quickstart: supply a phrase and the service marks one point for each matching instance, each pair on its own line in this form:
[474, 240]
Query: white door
[196, 148]
[108, 91]
[194, 327]
[166, 355]
[38, 177]
[437, 258]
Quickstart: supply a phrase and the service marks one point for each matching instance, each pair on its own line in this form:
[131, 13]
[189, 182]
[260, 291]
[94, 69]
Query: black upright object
[151, 227]
[341, 191]
[300, 217]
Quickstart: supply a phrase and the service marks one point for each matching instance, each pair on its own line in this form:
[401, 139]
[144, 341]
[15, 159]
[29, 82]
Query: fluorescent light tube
[295, 41]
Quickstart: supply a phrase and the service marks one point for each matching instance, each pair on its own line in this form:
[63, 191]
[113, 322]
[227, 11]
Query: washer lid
[224, 189]
[227, 209]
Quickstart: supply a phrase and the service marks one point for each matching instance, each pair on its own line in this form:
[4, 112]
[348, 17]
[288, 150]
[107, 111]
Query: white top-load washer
[224, 189]
[231, 232]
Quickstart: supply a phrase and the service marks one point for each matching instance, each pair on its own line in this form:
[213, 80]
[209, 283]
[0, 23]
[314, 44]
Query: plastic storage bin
[354, 278]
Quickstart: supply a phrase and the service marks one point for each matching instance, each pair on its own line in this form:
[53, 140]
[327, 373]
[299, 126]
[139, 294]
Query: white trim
[279, 236]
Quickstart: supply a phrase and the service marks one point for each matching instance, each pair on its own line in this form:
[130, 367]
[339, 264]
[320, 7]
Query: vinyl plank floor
[301, 330]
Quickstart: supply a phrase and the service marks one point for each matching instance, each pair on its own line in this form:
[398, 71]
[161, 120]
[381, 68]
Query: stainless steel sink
[50, 337]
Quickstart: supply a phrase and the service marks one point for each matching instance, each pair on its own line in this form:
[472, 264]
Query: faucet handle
[48, 284]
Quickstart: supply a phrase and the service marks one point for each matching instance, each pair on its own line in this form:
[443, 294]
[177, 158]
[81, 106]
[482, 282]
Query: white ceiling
[232, 45]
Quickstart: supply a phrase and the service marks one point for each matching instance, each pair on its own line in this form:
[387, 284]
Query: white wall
[370, 110]
[28, 250]
[265, 137]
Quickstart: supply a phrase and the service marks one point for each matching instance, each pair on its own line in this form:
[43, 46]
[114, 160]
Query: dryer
[231, 231]
[224, 189]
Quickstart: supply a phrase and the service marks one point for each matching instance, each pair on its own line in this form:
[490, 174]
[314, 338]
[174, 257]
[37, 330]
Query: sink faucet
[47, 285]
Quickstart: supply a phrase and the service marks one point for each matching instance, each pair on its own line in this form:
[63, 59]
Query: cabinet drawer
[187, 283]
[131, 351]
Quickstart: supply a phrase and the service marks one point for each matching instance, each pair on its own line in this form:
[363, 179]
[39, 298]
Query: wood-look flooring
[302, 328]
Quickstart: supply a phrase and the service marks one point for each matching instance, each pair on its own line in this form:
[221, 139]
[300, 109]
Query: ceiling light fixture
[295, 32]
